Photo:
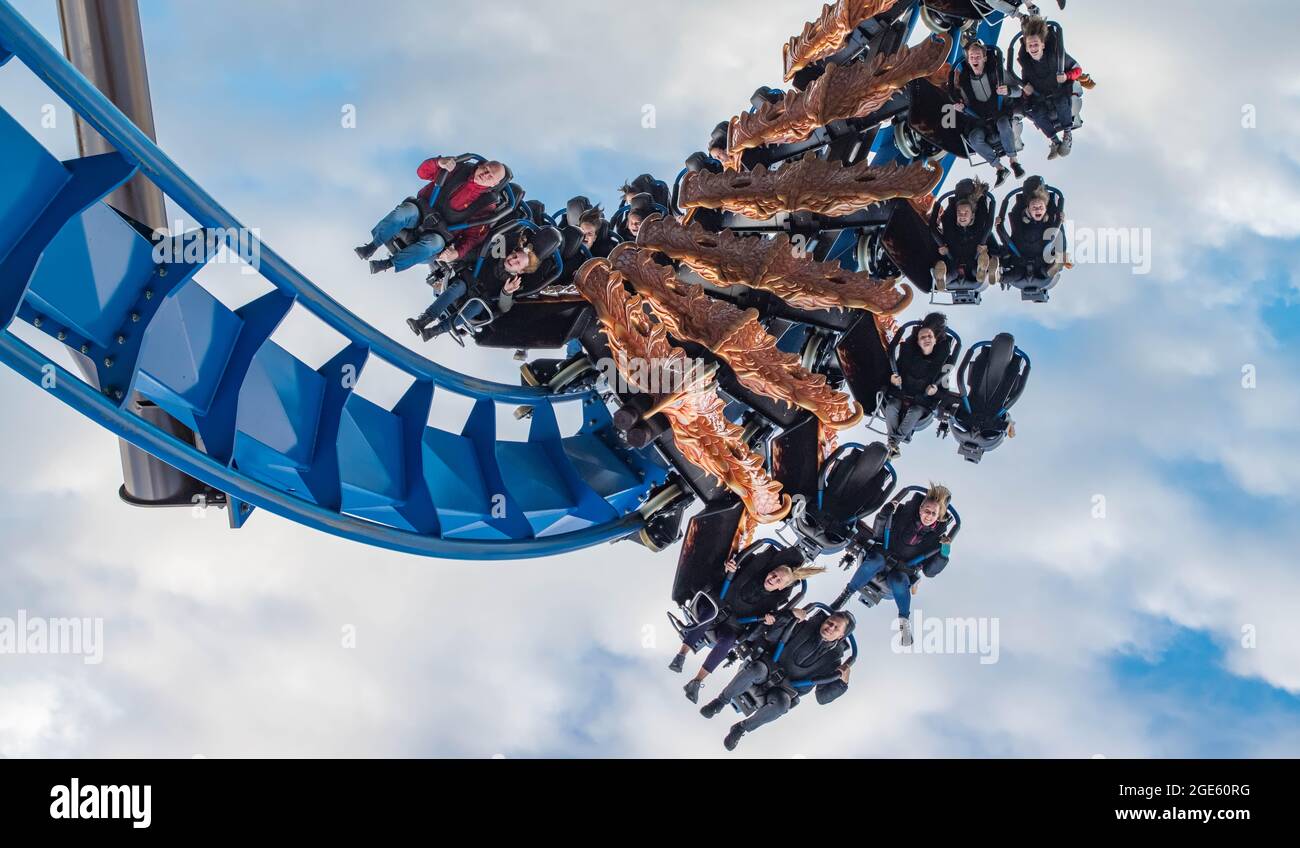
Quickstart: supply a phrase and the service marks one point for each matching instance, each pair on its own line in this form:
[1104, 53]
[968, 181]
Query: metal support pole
[102, 39]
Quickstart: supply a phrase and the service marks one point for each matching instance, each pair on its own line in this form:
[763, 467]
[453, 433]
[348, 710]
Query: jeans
[902, 424]
[981, 139]
[899, 583]
[1052, 113]
[444, 306]
[405, 216]
[777, 702]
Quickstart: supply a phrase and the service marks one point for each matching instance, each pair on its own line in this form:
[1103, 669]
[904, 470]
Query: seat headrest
[718, 138]
[643, 203]
[546, 241]
[574, 208]
[572, 241]
[765, 94]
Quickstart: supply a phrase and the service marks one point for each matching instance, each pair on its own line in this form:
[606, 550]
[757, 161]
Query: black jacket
[920, 371]
[747, 596]
[908, 539]
[1041, 73]
[807, 656]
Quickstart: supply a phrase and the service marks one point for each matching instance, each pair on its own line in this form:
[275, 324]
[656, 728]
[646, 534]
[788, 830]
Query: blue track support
[273, 432]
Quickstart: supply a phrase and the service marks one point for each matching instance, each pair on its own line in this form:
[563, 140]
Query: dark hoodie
[806, 656]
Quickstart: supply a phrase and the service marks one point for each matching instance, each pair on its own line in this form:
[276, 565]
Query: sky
[1134, 543]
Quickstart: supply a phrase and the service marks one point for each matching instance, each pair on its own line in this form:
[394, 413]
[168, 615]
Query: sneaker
[995, 271]
[366, 251]
[692, 690]
[415, 325]
[1055, 151]
[894, 450]
[905, 632]
[733, 737]
[941, 276]
[712, 708]
[678, 662]
[1001, 177]
[982, 263]
[429, 332]
[1067, 142]
[1018, 170]
[377, 265]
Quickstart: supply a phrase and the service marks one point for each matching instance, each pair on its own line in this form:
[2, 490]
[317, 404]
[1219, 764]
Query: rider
[902, 533]
[759, 585]
[502, 280]
[595, 232]
[1047, 76]
[814, 650]
[923, 362]
[979, 89]
[964, 233]
[1035, 248]
[469, 193]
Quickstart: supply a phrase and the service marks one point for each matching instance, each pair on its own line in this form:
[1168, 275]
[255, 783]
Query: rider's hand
[800, 614]
[929, 390]
[896, 380]
[512, 285]
[730, 566]
[447, 163]
[449, 254]
[945, 539]
[943, 249]
[1003, 90]
[1028, 89]
[960, 107]
[915, 586]
[844, 672]
[1011, 431]
[769, 619]
[1060, 77]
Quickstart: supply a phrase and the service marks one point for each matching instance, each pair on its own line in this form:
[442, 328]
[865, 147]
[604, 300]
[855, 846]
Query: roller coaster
[766, 276]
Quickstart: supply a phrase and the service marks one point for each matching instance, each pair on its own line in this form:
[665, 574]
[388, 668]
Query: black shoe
[377, 265]
[366, 251]
[733, 738]
[712, 708]
[1001, 177]
[678, 662]
[692, 689]
[429, 332]
[1018, 170]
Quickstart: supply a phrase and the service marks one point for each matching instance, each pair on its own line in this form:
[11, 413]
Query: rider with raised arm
[907, 541]
[978, 91]
[754, 589]
[468, 193]
[1046, 79]
[500, 282]
[812, 650]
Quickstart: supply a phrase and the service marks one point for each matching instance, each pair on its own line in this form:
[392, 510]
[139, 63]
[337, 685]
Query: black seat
[856, 480]
[991, 379]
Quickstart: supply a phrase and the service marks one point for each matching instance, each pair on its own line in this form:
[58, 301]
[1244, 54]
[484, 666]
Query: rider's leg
[428, 246]
[404, 216]
[901, 586]
[776, 705]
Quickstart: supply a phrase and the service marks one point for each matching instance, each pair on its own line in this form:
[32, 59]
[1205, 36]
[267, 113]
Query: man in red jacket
[468, 193]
